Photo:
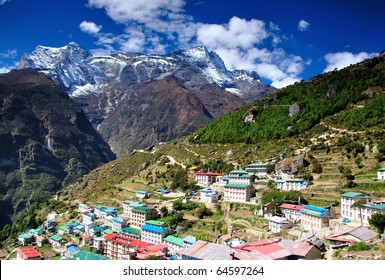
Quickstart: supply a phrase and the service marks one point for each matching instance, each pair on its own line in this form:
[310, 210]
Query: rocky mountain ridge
[104, 86]
[46, 141]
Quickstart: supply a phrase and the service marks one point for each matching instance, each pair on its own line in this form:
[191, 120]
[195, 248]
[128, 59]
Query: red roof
[228, 236]
[153, 248]
[125, 240]
[292, 206]
[29, 253]
[273, 249]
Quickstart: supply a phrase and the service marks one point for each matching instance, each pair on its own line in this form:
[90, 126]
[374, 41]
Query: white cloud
[303, 25]
[237, 33]
[90, 27]
[343, 59]
[123, 11]
[153, 26]
[3, 1]
[8, 54]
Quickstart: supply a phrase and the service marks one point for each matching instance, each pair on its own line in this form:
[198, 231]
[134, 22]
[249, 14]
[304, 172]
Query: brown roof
[350, 235]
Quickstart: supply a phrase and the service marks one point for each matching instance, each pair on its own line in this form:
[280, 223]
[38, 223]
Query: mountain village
[136, 231]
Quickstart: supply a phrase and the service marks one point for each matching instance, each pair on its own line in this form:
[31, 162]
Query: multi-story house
[367, 208]
[239, 188]
[315, 218]
[98, 243]
[118, 247]
[209, 195]
[291, 184]
[206, 178]
[277, 224]
[139, 215]
[154, 232]
[131, 232]
[128, 206]
[88, 217]
[102, 212]
[291, 211]
[117, 224]
[258, 169]
[174, 242]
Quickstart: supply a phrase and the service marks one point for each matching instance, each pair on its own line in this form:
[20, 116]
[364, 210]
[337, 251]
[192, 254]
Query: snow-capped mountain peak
[78, 72]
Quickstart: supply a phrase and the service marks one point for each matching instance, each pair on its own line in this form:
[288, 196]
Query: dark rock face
[161, 111]
[290, 165]
[46, 140]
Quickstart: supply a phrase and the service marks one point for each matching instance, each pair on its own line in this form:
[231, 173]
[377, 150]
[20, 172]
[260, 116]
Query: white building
[258, 169]
[277, 224]
[98, 243]
[209, 195]
[291, 184]
[206, 178]
[128, 206]
[381, 174]
[153, 232]
[368, 208]
[188, 241]
[291, 211]
[117, 224]
[240, 177]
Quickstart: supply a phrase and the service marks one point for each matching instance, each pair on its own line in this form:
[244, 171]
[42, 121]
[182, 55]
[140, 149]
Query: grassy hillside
[298, 108]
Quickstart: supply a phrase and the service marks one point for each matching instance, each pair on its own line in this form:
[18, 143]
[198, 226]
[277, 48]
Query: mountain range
[138, 100]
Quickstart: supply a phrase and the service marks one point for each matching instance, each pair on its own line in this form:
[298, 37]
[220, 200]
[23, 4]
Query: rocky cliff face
[111, 90]
[46, 141]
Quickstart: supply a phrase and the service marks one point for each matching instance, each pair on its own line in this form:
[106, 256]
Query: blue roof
[142, 192]
[280, 181]
[153, 228]
[190, 239]
[164, 191]
[314, 210]
[206, 190]
[117, 219]
[73, 249]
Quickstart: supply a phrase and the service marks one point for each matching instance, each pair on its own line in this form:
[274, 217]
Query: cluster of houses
[137, 233]
[238, 185]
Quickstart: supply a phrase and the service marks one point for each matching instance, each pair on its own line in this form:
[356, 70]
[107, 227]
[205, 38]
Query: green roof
[63, 228]
[25, 235]
[131, 230]
[108, 231]
[240, 186]
[98, 228]
[381, 169]
[174, 240]
[56, 237]
[356, 195]
[380, 207]
[73, 224]
[39, 230]
[87, 256]
[155, 223]
[141, 209]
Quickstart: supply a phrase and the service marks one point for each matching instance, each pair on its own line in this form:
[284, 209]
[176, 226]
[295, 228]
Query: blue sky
[284, 41]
